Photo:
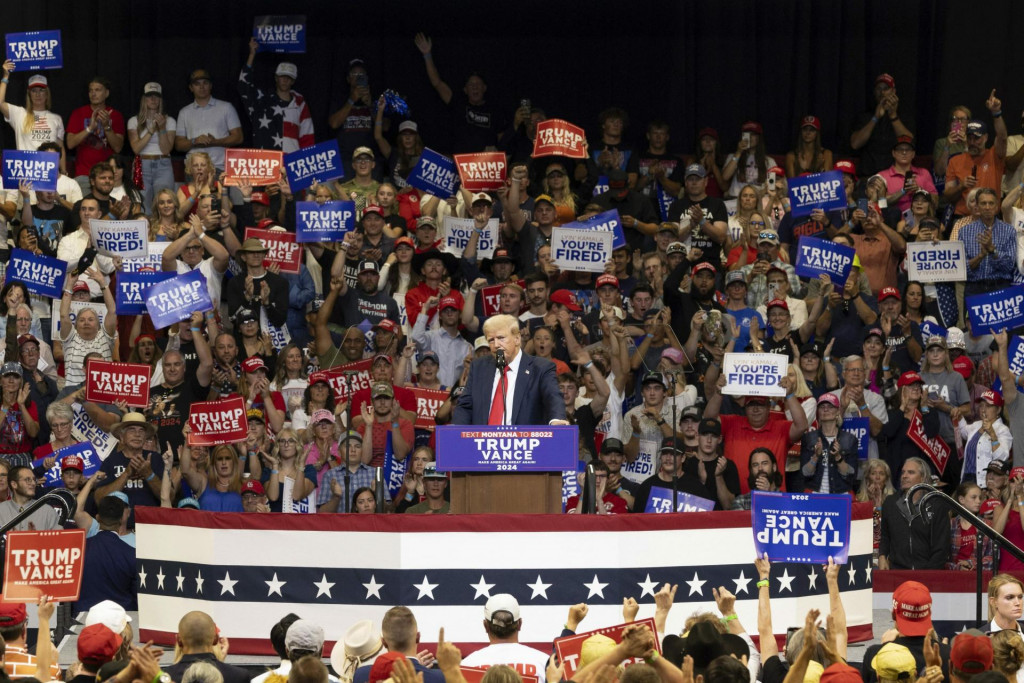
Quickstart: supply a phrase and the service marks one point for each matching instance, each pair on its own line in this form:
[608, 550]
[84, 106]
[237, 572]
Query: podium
[506, 469]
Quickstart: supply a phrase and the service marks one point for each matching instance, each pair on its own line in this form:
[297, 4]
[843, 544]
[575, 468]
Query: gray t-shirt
[951, 388]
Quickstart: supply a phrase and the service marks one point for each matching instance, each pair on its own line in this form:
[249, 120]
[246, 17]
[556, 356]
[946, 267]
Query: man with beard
[365, 303]
[353, 343]
[981, 166]
[763, 475]
[537, 292]
[169, 403]
[23, 491]
[701, 296]
[48, 217]
[613, 454]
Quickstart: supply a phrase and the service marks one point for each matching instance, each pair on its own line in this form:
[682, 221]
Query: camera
[215, 204]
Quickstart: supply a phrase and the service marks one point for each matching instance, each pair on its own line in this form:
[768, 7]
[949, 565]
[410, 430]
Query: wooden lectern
[481, 484]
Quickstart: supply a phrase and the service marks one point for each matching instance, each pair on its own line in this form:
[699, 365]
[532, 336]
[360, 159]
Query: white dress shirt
[511, 371]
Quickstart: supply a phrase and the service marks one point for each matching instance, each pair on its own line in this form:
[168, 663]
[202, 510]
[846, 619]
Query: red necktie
[497, 404]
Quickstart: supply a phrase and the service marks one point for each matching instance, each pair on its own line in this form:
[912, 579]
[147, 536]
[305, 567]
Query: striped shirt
[76, 349]
[1001, 265]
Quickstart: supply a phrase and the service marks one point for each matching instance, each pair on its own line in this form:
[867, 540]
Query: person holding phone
[903, 180]
[954, 143]
[981, 166]
[750, 163]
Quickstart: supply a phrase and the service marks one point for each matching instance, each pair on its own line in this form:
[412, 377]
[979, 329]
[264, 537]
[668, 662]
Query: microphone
[499, 358]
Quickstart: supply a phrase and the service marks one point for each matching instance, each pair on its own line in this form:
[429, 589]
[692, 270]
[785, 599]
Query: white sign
[936, 262]
[754, 374]
[84, 429]
[151, 262]
[646, 463]
[127, 239]
[457, 232]
[581, 250]
[77, 307]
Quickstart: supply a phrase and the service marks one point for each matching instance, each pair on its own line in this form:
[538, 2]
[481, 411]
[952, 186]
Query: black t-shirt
[782, 346]
[876, 154]
[355, 306]
[356, 130]
[474, 126]
[714, 210]
[169, 409]
[692, 466]
[622, 154]
[687, 484]
[584, 418]
[774, 670]
[49, 224]
[633, 204]
[137, 490]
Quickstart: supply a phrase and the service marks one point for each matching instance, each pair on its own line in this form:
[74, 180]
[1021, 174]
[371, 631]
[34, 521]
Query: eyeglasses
[556, 174]
[194, 247]
[959, 118]
[760, 223]
[287, 441]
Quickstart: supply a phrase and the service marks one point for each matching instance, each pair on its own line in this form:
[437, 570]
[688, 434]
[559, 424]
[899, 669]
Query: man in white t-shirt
[190, 246]
[502, 623]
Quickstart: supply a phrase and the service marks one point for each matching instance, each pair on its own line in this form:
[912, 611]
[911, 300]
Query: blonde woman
[803, 394]
[34, 124]
[284, 463]
[202, 171]
[217, 482]
[875, 487]
[556, 186]
[164, 225]
[151, 135]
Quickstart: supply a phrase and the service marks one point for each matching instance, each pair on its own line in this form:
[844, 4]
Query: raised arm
[425, 45]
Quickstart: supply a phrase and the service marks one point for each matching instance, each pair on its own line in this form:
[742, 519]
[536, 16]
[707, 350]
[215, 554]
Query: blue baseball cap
[695, 169]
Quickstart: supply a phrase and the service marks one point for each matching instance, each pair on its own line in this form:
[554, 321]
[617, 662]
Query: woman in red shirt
[19, 417]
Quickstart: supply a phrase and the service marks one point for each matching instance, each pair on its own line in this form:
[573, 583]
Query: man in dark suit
[531, 388]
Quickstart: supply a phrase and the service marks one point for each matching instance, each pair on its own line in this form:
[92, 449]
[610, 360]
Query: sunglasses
[556, 174]
[761, 223]
[766, 235]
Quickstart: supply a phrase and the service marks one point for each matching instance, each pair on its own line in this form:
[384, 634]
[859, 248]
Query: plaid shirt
[363, 476]
[956, 536]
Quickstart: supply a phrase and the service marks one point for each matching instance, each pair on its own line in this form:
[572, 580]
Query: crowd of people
[632, 355]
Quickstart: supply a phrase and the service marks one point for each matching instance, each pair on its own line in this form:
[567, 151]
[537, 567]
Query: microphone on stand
[499, 360]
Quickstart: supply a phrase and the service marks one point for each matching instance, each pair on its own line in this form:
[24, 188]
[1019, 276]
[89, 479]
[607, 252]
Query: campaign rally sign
[212, 423]
[569, 648]
[754, 374]
[427, 403]
[85, 450]
[581, 250]
[556, 137]
[110, 382]
[315, 164]
[394, 468]
[44, 563]
[35, 50]
[151, 262]
[127, 239]
[936, 261]
[434, 174]
[482, 171]
[349, 378]
[823, 191]
[280, 33]
[609, 221]
[800, 527]
[39, 168]
[858, 426]
[646, 463]
[476, 675]
[327, 222]
[84, 429]
[255, 166]
[177, 299]
[930, 329]
[1015, 356]
[506, 448]
[816, 257]
[660, 501]
[41, 274]
[457, 232]
[282, 248]
[993, 311]
[664, 201]
[132, 289]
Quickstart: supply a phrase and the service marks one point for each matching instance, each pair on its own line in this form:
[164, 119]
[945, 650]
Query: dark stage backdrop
[692, 63]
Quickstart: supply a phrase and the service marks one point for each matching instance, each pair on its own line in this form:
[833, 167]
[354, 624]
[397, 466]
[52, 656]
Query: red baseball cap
[1017, 473]
[888, 292]
[80, 286]
[989, 506]
[964, 365]
[318, 376]
[406, 241]
[703, 265]
[373, 208]
[382, 356]
[607, 279]
[778, 171]
[777, 303]
[253, 486]
[992, 398]
[566, 298]
[261, 198]
[846, 167]
[907, 378]
[752, 127]
[12, 613]
[253, 363]
[912, 606]
[812, 121]
[448, 302]
[840, 673]
[97, 644]
[970, 653]
[387, 324]
[708, 131]
[887, 79]
[72, 462]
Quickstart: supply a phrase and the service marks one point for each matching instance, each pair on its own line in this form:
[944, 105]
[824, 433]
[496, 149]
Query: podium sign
[512, 448]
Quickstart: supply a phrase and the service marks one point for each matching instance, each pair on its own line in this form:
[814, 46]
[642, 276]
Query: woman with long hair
[963, 535]
[282, 463]
[1013, 213]
[744, 250]
[19, 417]
[124, 184]
[145, 351]
[201, 169]
[317, 396]
[876, 357]
[914, 298]
[808, 156]
[828, 455]
[33, 124]
[217, 482]
[556, 186]
[412, 492]
[405, 153]
[164, 225]
[254, 386]
[290, 377]
[322, 448]
[803, 393]
[708, 153]
[875, 487]
[151, 135]
[1009, 522]
[251, 339]
[747, 203]
[750, 163]
[920, 208]
[387, 199]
